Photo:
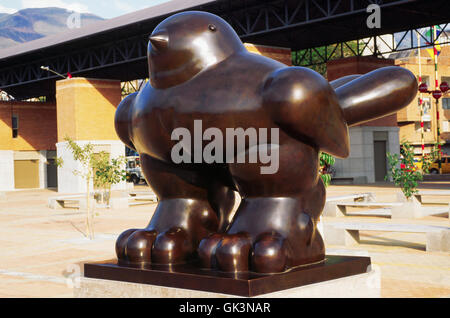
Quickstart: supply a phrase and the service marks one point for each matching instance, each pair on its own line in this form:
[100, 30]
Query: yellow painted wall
[409, 133]
[86, 108]
[5, 127]
[280, 54]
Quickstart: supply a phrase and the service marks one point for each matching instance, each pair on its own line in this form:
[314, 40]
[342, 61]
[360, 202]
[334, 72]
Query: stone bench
[339, 208]
[437, 193]
[421, 209]
[60, 202]
[135, 193]
[365, 197]
[342, 233]
[133, 200]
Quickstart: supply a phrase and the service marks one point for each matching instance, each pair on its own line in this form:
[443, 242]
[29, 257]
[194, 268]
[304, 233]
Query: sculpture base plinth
[332, 278]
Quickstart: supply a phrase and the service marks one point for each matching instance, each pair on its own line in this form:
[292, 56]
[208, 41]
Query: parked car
[445, 165]
[134, 172]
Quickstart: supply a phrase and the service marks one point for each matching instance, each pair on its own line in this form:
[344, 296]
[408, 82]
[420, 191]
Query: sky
[104, 8]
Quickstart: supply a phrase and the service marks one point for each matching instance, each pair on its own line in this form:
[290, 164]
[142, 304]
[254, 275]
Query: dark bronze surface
[200, 70]
[247, 284]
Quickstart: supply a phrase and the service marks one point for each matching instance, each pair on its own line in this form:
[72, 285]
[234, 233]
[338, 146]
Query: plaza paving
[41, 247]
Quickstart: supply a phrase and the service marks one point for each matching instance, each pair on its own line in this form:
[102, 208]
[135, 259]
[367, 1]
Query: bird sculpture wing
[122, 120]
[304, 105]
[308, 108]
[375, 94]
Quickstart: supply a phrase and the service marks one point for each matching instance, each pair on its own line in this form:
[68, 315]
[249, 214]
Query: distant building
[27, 145]
[371, 141]
[409, 118]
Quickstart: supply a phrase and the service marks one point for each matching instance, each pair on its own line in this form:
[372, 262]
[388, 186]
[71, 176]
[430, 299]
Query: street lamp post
[46, 68]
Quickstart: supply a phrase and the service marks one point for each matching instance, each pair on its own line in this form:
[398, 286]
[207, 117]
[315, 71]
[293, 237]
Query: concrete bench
[428, 209]
[126, 202]
[342, 233]
[60, 202]
[441, 193]
[382, 212]
[339, 208]
[144, 199]
[330, 204]
[365, 197]
[136, 193]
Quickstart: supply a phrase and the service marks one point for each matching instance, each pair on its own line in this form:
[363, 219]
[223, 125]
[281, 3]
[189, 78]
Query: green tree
[84, 155]
[108, 172]
[315, 58]
[98, 167]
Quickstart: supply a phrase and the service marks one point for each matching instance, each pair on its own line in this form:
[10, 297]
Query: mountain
[34, 23]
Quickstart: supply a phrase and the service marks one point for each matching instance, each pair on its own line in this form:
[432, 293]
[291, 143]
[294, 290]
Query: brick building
[27, 145]
[409, 117]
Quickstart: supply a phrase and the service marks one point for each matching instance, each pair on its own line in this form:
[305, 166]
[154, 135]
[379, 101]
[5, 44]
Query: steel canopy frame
[303, 24]
[374, 45]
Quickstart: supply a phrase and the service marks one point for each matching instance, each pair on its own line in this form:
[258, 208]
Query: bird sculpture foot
[262, 247]
[168, 240]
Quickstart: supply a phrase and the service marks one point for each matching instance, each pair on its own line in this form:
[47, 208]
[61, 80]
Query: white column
[70, 183]
[43, 169]
[6, 170]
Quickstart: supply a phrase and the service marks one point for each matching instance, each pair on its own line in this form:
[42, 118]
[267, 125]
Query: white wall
[70, 183]
[6, 170]
[360, 163]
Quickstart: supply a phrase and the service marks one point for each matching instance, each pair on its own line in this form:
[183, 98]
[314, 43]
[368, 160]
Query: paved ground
[41, 248]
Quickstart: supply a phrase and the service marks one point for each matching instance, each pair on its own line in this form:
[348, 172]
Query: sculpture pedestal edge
[338, 276]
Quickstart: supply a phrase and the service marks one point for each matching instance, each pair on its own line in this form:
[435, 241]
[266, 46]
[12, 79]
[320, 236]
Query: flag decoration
[436, 50]
[421, 89]
[435, 95]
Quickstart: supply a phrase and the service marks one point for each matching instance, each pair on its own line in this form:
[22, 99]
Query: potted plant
[406, 174]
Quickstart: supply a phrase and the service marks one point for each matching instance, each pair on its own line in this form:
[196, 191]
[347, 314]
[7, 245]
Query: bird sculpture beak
[159, 39]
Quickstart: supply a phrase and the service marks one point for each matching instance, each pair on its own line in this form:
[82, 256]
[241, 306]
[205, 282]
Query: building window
[446, 126]
[446, 103]
[15, 126]
[426, 126]
[425, 104]
[425, 79]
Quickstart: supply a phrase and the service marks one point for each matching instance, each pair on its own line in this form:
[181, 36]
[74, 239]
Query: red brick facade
[36, 126]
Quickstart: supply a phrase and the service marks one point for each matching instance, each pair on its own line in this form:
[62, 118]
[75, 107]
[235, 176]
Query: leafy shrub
[325, 162]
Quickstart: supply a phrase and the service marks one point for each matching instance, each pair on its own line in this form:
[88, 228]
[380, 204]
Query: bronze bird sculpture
[199, 71]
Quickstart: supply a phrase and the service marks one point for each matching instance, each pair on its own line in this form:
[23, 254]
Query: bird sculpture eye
[212, 27]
